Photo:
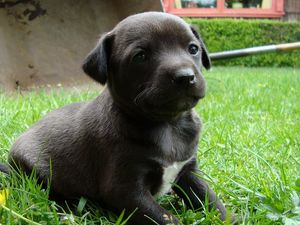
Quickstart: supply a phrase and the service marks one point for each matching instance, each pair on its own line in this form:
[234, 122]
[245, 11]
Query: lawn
[249, 150]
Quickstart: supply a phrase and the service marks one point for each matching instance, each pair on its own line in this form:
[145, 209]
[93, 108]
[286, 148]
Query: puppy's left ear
[205, 58]
[96, 63]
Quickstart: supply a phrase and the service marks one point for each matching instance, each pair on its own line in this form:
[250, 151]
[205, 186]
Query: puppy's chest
[177, 149]
[169, 175]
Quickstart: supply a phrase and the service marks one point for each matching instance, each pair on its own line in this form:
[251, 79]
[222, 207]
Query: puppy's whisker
[149, 93]
[144, 85]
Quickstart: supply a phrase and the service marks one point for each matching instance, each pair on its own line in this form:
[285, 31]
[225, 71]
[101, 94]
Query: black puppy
[137, 138]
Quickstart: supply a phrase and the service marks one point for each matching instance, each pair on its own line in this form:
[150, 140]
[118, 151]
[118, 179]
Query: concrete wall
[44, 42]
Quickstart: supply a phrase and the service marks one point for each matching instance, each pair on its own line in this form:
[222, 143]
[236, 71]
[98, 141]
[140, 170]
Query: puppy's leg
[147, 211]
[194, 191]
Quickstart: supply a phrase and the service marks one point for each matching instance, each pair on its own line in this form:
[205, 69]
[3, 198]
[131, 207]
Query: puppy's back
[46, 139]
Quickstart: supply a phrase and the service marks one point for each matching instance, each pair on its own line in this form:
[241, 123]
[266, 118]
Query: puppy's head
[152, 64]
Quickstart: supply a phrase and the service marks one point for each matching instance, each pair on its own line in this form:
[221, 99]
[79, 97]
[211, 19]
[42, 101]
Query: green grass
[249, 150]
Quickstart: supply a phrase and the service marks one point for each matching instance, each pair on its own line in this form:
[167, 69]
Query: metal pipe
[254, 51]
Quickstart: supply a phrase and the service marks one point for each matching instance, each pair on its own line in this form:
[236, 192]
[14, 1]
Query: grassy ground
[249, 151]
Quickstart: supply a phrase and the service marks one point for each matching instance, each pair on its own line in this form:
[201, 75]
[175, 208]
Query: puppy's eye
[193, 49]
[140, 57]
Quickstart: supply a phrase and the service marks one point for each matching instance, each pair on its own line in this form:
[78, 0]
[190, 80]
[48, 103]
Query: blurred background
[43, 42]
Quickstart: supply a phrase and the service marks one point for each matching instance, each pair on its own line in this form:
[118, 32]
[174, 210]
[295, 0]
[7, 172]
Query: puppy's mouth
[167, 103]
[181, 104]
[170, 108]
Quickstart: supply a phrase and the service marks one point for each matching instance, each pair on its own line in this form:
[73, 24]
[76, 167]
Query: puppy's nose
[184, 76]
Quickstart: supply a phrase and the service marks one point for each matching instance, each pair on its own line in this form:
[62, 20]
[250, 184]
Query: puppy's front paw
[170, 220]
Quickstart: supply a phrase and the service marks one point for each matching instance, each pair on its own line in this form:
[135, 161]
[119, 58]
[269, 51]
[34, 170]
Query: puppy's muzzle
[184, 77]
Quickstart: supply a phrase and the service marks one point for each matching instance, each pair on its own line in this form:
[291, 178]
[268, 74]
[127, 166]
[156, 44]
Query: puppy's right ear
[96, 63]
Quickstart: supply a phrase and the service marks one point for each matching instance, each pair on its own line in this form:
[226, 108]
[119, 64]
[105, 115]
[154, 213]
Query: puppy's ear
[96, 63]
[205, 58]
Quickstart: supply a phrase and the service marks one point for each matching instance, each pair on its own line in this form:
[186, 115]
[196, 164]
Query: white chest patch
[169, 175]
